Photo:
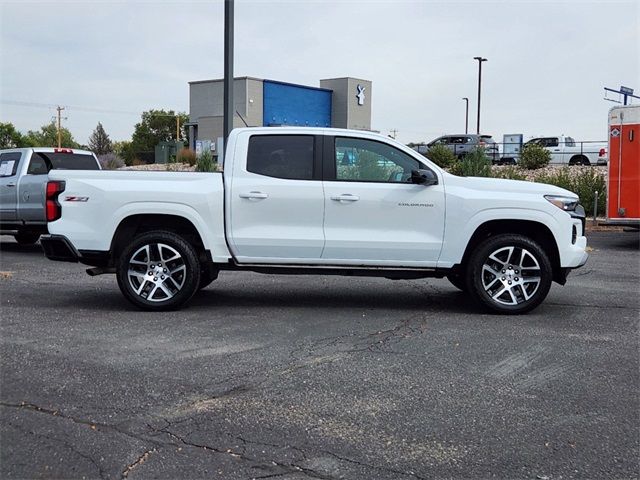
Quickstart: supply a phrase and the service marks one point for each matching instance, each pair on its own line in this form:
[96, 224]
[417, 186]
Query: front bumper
[575, 256]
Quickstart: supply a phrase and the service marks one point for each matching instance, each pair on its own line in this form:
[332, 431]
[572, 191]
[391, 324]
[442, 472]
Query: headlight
[568, 204]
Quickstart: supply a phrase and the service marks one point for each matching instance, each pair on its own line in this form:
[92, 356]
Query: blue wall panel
[287, 104]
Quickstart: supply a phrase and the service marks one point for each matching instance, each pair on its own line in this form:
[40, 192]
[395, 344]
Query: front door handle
[11, 184]
[345, 197]
[254, 195]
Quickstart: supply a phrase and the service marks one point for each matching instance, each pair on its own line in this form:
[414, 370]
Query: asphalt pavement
[303, 377]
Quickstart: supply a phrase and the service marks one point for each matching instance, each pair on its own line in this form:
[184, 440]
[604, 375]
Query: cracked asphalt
[319, 377]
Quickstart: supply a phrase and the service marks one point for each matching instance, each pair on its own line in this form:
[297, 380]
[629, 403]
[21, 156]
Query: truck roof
[77, 151]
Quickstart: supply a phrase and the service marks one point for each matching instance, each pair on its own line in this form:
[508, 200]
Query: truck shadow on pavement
[13, 247]
[227, 299]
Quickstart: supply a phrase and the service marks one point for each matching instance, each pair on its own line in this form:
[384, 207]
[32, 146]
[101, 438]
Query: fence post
[595, 208]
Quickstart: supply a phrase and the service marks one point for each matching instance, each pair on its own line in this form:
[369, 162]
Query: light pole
[480, 60]
[228, 107]
[466, 115]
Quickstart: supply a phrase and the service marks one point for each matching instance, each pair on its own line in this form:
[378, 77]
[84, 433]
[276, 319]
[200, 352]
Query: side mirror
[424, 177]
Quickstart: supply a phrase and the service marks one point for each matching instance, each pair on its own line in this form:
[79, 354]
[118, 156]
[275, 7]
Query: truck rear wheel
[509, 274]
[158, 271]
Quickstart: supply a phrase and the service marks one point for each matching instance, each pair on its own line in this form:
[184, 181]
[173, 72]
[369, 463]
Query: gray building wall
[345, 110]
[206, 104]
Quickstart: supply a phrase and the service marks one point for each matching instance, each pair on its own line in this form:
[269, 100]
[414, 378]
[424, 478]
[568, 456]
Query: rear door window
[9, 163]
[281, 156]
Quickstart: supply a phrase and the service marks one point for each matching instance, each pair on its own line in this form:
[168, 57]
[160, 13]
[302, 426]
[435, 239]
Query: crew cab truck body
[23, 179]
[566, 151]
[316, 201]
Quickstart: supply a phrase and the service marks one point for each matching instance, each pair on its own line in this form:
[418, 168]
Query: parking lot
[319, 377]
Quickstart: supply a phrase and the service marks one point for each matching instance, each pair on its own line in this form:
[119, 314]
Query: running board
[355, 271]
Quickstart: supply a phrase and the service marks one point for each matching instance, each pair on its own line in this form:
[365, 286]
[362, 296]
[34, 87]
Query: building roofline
[222, 80]
[346, 78]
[297, 85]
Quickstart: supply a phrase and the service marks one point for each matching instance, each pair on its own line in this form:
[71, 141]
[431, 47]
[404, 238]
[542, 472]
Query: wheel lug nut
[516, 279]
[162, 277]
[165, 270]
[504, 278]
[155, 279]
[150, 273]
[153, 266]
[510, 282]
[503, 271]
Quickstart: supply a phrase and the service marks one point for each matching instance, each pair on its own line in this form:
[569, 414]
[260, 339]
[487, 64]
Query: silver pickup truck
[23, 180]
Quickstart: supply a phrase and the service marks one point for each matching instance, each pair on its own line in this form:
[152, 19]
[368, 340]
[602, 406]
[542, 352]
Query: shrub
[509, 173]
[534, 156]
[441, 156]
[473, 164]
[205, 162]
[560, 178]
[110, 161]
[186, 155]
[172, 159]
[584, 184]
[137, 162]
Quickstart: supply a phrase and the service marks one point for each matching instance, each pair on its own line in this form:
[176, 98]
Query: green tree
[48, 137]
[99, 141]
[10, 137]
[157, 126]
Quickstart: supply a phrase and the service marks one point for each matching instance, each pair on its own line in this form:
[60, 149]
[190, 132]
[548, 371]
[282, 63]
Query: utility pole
[480, 60]
[59, 109]
[393, 134]
[177, 128]
[466, 116]
[228, 71]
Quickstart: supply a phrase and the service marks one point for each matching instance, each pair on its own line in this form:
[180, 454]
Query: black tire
[26, 238]
[579, 160]
[524, 274]
[458, 280]
[158, 271]
[207, 275]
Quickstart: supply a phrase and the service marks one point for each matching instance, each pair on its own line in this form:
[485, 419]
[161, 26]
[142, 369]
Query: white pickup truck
[566, 151]
[316, 201]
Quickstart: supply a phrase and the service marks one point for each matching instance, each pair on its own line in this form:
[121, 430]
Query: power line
[72, 107]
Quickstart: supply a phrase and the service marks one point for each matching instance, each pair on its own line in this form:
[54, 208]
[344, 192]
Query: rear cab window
[42, 162]
[9, 163]
[289, 157]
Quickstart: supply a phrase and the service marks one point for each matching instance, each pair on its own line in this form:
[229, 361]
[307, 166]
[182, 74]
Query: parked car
[566, 151]
[23, 178]
[288, 203]
[462, 144]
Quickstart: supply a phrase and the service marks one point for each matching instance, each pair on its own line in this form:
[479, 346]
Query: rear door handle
[254, 195]
[345, 197]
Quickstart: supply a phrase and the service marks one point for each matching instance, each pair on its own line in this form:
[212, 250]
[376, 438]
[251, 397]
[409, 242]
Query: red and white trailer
[623, 186]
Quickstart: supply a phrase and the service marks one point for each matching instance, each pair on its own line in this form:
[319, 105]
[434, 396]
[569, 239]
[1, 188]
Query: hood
[503, 185]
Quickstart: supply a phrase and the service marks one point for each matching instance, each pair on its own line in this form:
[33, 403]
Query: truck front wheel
[509, 274]
[158, 271]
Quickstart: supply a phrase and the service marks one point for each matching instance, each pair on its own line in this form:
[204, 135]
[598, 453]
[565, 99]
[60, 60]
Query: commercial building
[338, 102]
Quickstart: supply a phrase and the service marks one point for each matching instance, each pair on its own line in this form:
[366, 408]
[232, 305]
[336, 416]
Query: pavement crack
[97, 426]
[139, 461]
[375, 467]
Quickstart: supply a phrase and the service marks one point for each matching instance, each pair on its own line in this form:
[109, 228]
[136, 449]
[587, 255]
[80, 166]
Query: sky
[108, 61]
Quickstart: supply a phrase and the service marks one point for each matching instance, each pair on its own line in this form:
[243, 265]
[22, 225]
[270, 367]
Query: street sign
[626, 90]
